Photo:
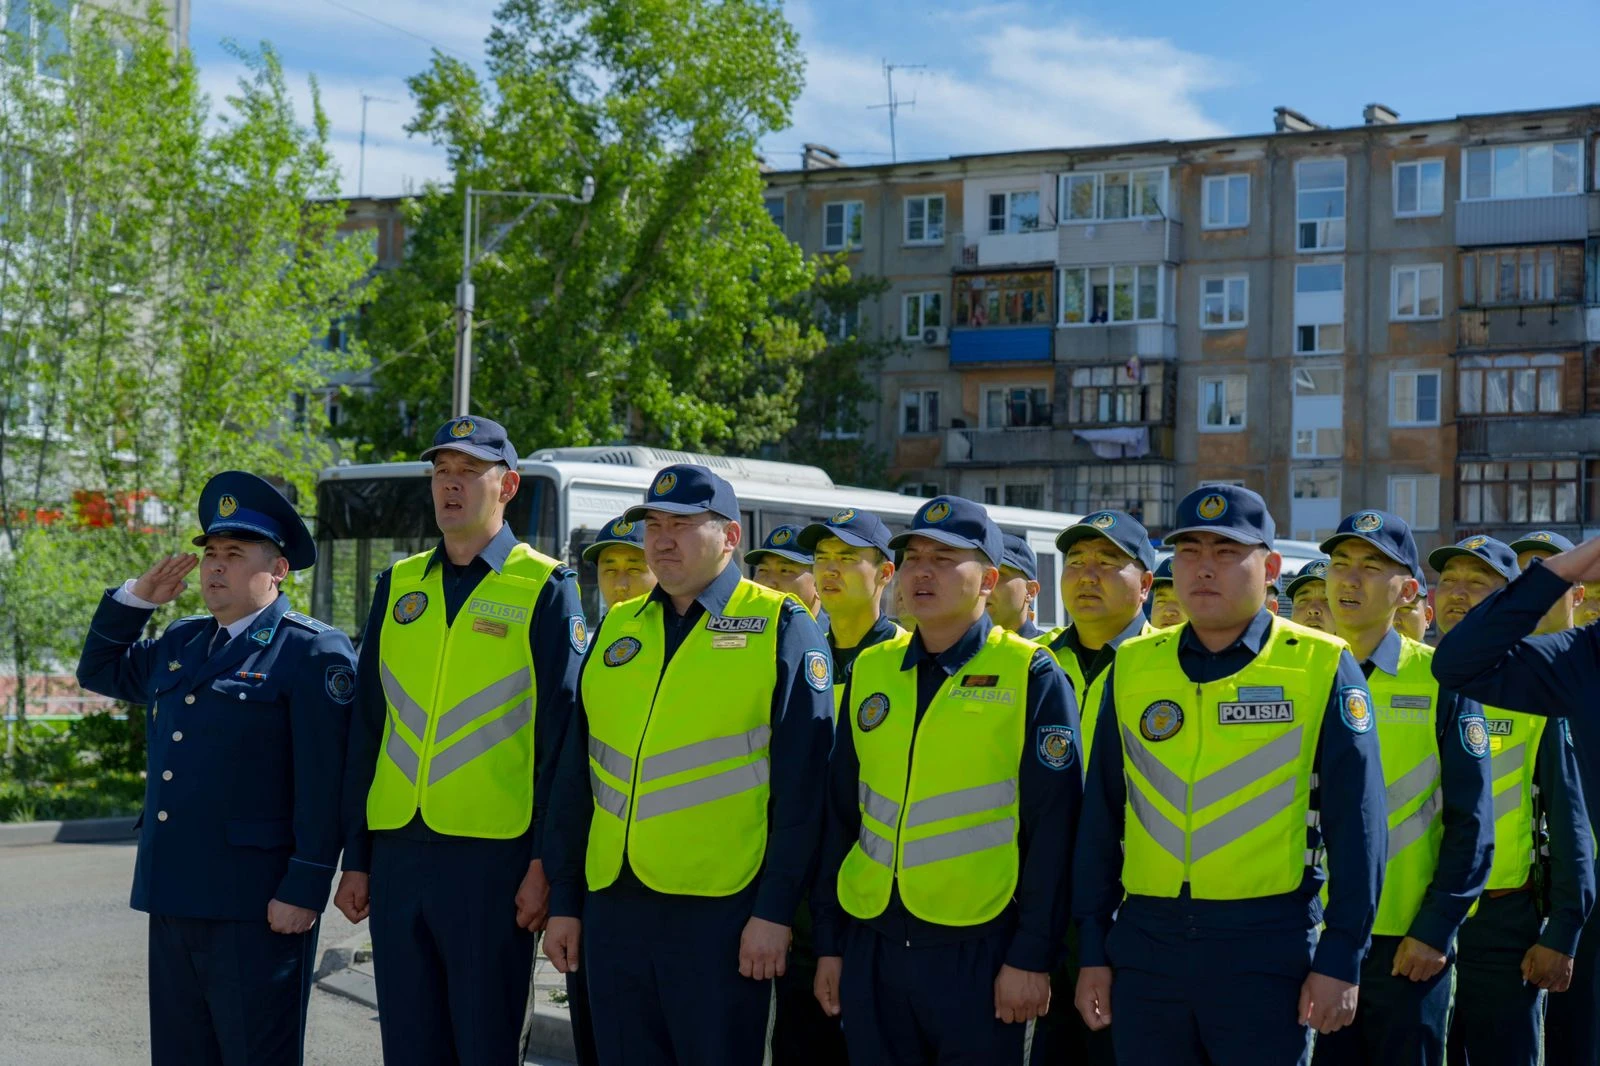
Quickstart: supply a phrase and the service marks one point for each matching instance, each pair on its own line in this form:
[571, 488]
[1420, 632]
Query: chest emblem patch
[621, 651]
[1160, 721]
[873, 710]
[409, 608]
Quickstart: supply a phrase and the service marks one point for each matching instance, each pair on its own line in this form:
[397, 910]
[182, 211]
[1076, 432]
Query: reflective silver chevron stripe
[1252, 814]
[1507, 761]
[1413, 783]
[704, 753]
[610, 759]
[1264, 761]
[1161, 829]
[1168, 785]
[485, 701]
[606, 797]
[411, 713]
[446, 762]
[705, 790]
[876, 847]
[879, 808]
[402, 754]
[1414, 826]
[959, 842]
[976, 800]
[1508, 800]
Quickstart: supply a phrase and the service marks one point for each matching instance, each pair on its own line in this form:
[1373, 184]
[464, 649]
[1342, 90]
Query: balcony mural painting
[1002, 318]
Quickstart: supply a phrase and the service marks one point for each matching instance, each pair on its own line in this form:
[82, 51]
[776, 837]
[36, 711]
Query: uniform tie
[218, 641]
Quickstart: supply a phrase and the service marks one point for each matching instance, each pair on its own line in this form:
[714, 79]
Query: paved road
[72, 967]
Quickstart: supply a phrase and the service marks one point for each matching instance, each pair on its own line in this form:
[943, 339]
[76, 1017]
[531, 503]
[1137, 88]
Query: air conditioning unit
[933, 337]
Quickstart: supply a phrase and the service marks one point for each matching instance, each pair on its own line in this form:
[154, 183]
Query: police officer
[690, 799]
[1413, 619]
[1165, 610]
[1308, 597]
[1505, 959]
[247, 711]
[1440, 808]
[1542, 544]
[1588, 612]
[781, 565]
[1011, 605]
[618, 557]
[1203, 932]
[465, 685]
[1274, 598]
[937, 928]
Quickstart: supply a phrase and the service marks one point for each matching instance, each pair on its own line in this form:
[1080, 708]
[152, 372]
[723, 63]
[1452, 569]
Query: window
[42, 34]
[1224, 302]
[841, 225]
[1514, 171]
[1222, 403]
[1314, 507]
[1143, 490]
[925, 220]
[1003, 299]
[1319, 205]
[1318, 412]
[1415, 498]
[1227, 201]
[919, 411]
[922, 310]
[1510, 276]
[1113, 195]
[839, 324]
[1318, 308]
[925, 489]
[1014, 212]
[1023, 495]
[1530, 493]
[1111, 294]
[1414, 398]
[1509, 384]
[1419, 188]
[775, 210]
[1112, 395]
[1016, 407]
[1417, 292]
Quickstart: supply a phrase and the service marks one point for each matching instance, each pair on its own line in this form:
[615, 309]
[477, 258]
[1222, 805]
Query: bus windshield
[365, 525]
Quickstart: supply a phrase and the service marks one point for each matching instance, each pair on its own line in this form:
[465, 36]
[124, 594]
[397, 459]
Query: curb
[84, 831]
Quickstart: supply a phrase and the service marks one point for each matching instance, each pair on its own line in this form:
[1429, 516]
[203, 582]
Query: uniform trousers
[1497, 1015]
[1400, 1022]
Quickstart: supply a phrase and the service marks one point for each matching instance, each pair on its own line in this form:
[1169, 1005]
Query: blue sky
[995, 76]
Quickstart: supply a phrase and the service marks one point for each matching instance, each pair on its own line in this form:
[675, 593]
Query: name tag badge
[493, 629]
[729, 640]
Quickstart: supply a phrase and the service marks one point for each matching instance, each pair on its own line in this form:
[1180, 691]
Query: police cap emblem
[409, 608]
[621, 651]
[1543, 537]
[1212, 507]
[621, 527]
[1103, 520]
[1367, 522]
[1474, 543]
[1474, 735]
[936, 512]
[873, 710]
[1160, 720]
[664, 484]
[843, 516]
[1316, 568]
[782, 536]
[1055, 746]
[227, 506]
[1355, 707]
[464, 427]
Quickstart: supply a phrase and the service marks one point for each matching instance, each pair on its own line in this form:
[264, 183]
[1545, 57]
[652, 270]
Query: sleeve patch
[1056, 749]
[1355, 708]
[341, 684]
[1475, 735]
[819, 673]
[578, 634]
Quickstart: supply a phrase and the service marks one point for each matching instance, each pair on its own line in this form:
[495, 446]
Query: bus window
[1049, 614]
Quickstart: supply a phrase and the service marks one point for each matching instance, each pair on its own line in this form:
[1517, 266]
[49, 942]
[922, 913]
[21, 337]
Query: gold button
[178, 735]
[161, 816]
[166, 775]
[189, 698]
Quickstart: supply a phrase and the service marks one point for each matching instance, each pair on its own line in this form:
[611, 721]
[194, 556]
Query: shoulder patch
[1475, 735]
[1055, 748]
[819, 672]
[307, 621]
[341, 684]
[1355, 708]
[578, 634]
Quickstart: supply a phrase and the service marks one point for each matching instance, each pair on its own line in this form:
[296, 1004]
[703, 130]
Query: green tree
[653, 313]
[165, 274]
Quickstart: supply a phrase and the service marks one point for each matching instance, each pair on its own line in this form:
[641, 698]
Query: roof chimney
[818, 157]
[1288, 120]
[1380, 115]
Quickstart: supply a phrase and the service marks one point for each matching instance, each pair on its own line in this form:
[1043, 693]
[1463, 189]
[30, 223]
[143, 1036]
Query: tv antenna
[894, 103]
[361, 172]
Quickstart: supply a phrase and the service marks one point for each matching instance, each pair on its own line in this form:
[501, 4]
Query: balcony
[1042, 446]
[1528, 436]
[1150, 340]
[1525, 327]
[1535, 220]
[985, 250]
[1146, 240]
[1001, 344]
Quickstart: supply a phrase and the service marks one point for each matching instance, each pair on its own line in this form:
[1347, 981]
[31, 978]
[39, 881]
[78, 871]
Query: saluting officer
[1505, 958]
[466, 681]
[620, 567]
[1012, 604]
[690, 795]
[1165, 610]
[248, 707]
[1197, 872]
[953, 793]
[1308, 597]
[1435, 748]
[780, 564]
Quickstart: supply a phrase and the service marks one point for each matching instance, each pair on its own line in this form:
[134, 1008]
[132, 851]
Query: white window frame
[1227, 281]
[922, 412]
[1318, 349]
[1418, 484]
[1417, 269]
[1395, 415]
[911, 332]
[1295, 473]
[1314, 425]
[1005, 391]
[1099, 177]
[1205, 201]
[997, 489]
[844, 207]
[924, 241]
[1226, 381]
[1420, 211]
[1061, 295]
[1009, 194]
[1343, 219]
[1523, 147]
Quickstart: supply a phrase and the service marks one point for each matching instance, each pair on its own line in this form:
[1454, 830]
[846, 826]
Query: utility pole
[894, 103]
[361, 172]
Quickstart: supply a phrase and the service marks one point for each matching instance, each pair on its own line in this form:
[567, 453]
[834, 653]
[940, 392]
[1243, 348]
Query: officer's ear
[1579, 594]
[1410, 588]
[991, 578]
[734, 532]
[1274, 566]
[510, 481]
[280, 566]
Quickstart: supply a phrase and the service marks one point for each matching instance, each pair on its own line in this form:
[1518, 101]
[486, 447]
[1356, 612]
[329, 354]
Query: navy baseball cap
[1497, 553]
[476, 436]
[784, 542]
[1315, 570]
[1384, 531]
[1227, 510]
[959, 523]
[1164, 571]
[617, 531]
[862, 529]
[1119, 527]
[1542, 541]
[243, 506]
[1019, 556]
[687, 489]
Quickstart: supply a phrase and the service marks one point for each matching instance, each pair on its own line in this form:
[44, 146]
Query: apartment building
[1387, 314]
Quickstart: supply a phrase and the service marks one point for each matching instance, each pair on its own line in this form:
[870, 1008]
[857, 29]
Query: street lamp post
[461, 394]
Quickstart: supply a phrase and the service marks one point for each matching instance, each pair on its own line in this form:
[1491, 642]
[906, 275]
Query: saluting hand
[1580, 565]
[1416, 960]
[1093, 996]
[1547, 968]
[164, 582]
[1327, 1004]
[1020, 995]
[287, 918]
[830, 968]
[763, 949]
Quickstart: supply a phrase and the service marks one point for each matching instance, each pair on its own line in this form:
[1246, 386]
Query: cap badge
[1543, 537]
[843, 516]
[1474, 543]
[782, 537]
[621, 527]
[664, 484]
[1367, 522]
[936, 512]
[226, 506]
[1103, 520]
[1212, 507]
[1316, 568]
[463, 428]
